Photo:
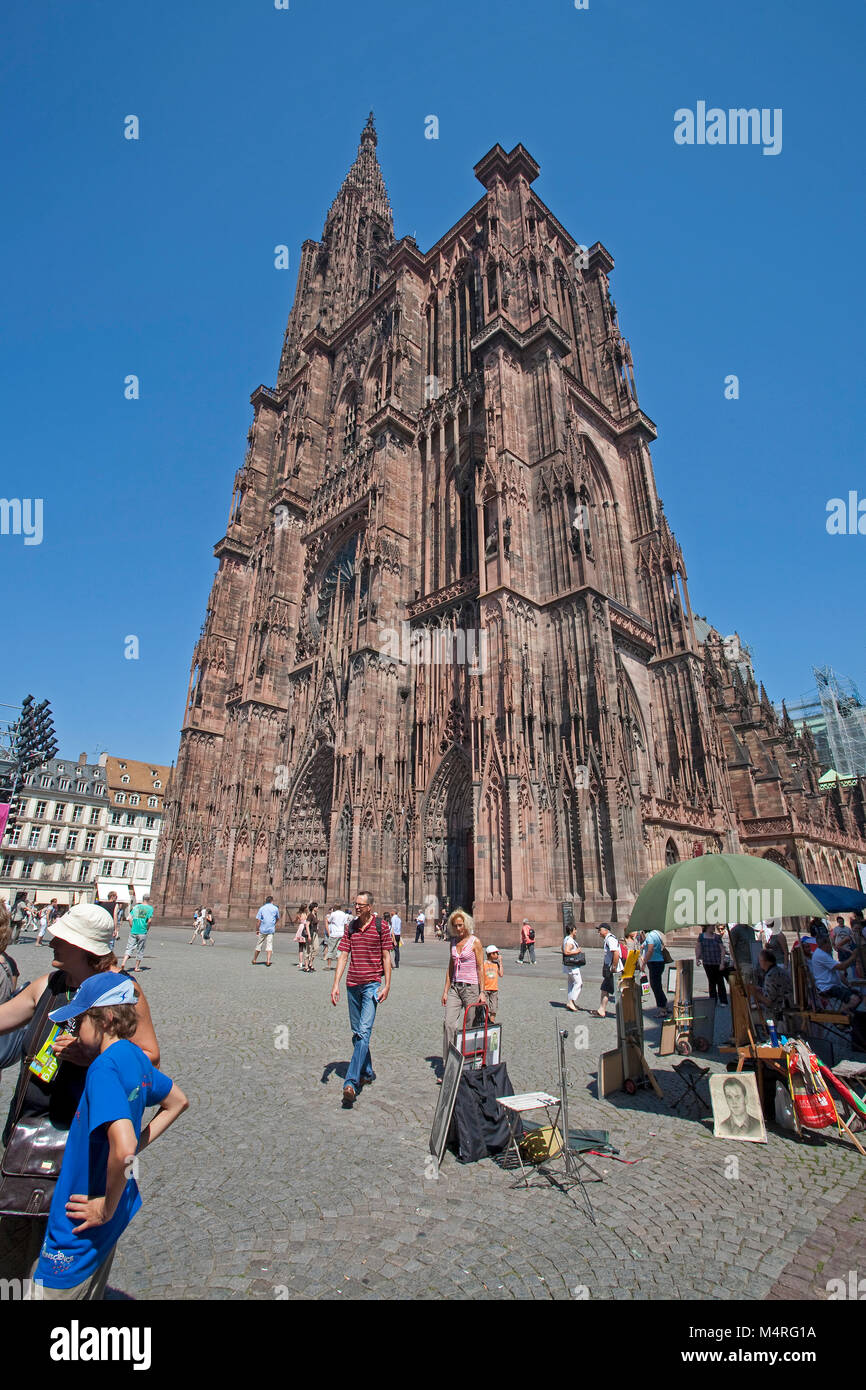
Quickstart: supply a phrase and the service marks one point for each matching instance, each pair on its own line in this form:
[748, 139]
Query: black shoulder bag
[34, 1153]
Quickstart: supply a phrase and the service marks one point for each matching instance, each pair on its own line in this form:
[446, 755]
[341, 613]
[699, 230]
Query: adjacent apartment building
[54, 835]
[133, 822]
[77, 830]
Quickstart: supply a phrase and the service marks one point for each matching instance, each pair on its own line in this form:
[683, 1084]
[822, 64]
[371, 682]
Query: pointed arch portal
[449, 839]
[308, 830]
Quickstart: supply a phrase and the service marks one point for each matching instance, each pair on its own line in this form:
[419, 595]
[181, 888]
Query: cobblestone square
[268, 1189]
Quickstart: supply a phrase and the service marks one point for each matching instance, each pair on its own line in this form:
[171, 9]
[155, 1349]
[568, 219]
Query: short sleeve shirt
[266, 917]
[140, 919]
[365, 950]
[121, 1083]
[337, 923]
[653, 938]
[612, 954]
[822, 968]
[491, 976]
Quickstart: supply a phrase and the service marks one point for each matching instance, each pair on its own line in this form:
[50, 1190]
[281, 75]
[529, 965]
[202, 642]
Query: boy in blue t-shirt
[96, 1195]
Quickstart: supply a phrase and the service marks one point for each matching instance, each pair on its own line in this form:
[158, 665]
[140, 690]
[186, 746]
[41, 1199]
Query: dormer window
[125, 777]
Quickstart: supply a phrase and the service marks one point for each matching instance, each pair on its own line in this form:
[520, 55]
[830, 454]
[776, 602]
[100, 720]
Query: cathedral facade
[449, 651]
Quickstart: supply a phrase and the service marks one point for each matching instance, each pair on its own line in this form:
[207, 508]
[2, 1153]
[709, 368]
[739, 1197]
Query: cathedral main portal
[449, 835]
[308, 831]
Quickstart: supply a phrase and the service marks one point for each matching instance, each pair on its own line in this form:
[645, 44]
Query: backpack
[623, 952]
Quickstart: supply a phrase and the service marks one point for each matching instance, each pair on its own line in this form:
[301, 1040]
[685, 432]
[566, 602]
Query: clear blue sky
[156, 258]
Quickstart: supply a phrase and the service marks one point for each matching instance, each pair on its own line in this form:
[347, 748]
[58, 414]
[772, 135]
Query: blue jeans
[362, 1015]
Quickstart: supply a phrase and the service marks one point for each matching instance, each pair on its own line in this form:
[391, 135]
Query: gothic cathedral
[449, 650]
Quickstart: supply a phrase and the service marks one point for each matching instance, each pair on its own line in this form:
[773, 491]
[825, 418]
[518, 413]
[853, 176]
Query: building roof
[128, 775]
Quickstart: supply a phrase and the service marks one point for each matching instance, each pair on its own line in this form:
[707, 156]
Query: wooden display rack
[625, 1067]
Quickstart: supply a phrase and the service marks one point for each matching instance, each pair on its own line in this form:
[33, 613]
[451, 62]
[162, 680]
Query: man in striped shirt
[366, 948]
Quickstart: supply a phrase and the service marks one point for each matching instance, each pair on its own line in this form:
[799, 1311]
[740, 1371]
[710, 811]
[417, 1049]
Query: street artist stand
[770, 1062]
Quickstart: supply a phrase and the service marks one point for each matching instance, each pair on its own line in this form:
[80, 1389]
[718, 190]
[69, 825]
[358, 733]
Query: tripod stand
[573, 1159]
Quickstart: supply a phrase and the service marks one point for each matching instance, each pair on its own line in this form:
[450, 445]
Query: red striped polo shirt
[365, 950]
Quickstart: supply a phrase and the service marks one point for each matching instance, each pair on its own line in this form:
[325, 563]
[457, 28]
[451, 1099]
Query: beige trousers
[460, 997]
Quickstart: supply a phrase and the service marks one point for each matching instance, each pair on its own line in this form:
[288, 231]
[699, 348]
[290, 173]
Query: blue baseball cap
[98, 991]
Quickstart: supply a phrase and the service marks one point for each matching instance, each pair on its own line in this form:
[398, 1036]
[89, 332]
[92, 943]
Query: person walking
[653, 962]
[121, 917]
[267, 917]
[209, 927]
[710, 951]
[111, 906]
[366, 949]
[19, 914]
[527, 942]
[42, 926]
[492, 975]
[572, 958]
[197, 925]
[337, 920]
[313, 925]
[139, 925]
[396, 937]
[386, 918]
[419, 927]
[464, 976]
[302, 937]
[611, 967]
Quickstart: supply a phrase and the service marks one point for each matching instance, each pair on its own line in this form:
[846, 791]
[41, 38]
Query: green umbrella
[718, 888]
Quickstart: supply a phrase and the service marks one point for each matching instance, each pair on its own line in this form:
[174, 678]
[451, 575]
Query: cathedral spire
[365, 175]
[350, 262]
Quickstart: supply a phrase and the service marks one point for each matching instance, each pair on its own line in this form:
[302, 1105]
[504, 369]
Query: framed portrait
[737, 1107]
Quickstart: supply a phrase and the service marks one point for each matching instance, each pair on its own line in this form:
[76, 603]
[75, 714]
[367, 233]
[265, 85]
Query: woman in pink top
[463, 978]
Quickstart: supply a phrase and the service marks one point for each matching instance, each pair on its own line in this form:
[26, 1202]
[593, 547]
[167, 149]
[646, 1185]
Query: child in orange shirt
[492, 976]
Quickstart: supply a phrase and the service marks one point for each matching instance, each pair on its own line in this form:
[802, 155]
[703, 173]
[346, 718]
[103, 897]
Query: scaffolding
[845, 718]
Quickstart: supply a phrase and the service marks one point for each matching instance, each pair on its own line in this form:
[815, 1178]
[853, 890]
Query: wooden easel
[741, 1013]
[625, 1068]
[806, 1008]
[678, 1032]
